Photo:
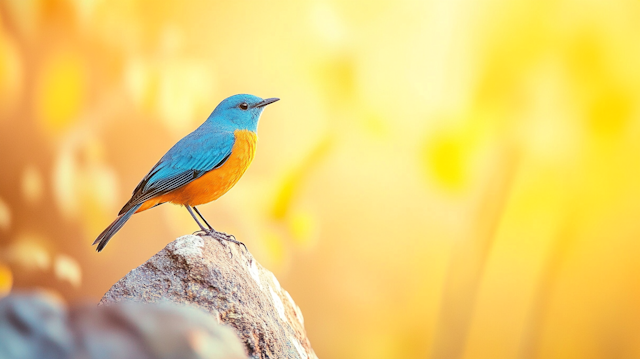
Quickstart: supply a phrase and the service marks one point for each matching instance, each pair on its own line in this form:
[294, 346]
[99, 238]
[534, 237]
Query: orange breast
[214, 183]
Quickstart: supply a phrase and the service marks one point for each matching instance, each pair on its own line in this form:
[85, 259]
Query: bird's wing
[190, 158]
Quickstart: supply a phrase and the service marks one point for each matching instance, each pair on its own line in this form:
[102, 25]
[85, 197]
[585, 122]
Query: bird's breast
[217, 182]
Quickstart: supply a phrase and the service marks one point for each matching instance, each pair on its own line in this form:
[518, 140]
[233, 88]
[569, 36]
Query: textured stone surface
[226, 281]
[34, 326]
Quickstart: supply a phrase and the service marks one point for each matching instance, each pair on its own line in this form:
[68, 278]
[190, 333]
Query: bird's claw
[230, 238]
[220, 237]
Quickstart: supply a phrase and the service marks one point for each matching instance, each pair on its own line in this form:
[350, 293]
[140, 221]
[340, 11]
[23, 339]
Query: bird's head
[239, 112]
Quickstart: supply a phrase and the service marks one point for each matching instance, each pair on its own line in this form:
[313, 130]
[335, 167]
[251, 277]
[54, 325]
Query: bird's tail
[114, 227]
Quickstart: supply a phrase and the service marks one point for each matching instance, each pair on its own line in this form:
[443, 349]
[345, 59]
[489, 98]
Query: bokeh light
[60, 92]
[441, 179]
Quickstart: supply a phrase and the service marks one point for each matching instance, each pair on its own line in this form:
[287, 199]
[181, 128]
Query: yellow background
[441, 179]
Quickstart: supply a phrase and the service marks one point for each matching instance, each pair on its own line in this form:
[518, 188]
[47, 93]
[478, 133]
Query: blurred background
[441, 179]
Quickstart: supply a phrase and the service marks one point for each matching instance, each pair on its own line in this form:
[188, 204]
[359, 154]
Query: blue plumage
[201, 151]
[196, 154]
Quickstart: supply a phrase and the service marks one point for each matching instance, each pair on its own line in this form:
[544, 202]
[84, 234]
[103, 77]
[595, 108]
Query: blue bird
[202, 166]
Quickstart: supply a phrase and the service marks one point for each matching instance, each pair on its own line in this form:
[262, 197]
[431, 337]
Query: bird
[201, 167]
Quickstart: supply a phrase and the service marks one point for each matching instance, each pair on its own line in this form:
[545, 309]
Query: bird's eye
[243, 106]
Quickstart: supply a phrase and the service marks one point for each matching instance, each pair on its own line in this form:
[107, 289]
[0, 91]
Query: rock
[225, 280]
[33, 326]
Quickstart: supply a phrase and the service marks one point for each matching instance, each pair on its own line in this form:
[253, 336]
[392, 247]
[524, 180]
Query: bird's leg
[211, 228]
[202, 217]
[202, 229]
[212, 232]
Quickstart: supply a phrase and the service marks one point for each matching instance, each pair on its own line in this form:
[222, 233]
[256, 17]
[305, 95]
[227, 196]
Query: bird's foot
[220, 237]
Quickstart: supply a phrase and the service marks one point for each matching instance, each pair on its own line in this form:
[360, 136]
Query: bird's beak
[265, 102]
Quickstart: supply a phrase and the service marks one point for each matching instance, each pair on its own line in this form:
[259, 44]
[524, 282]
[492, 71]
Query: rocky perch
[226, 281]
